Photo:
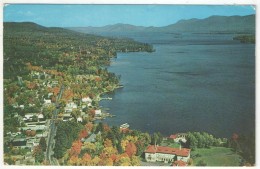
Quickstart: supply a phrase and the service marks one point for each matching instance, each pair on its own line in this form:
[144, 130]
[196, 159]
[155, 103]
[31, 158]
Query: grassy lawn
[170, 143]
[216, 156]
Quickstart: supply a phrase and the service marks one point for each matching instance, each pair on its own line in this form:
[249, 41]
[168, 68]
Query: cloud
[25, 13]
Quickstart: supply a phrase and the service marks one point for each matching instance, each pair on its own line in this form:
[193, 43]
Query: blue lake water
[193, 82]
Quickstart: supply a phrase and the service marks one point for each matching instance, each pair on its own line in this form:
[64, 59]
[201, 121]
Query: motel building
[166, 154]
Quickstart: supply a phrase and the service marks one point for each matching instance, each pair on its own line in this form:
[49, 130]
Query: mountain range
[212, 24]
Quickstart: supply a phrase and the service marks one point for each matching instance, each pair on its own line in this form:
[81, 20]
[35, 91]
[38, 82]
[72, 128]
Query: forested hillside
[57, 48]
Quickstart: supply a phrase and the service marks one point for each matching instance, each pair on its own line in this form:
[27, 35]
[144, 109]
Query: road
[52, 131]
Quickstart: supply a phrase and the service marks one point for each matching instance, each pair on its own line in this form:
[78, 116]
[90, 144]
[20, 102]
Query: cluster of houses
[20, 140]
[86, 102]
[176, 156]
[38, 124]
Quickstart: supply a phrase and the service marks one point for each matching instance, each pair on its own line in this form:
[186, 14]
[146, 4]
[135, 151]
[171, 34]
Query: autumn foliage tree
[83, 134]
[30, 133]
[89, 126]
[86, 159]
[76, 148]
[74, 160]
[131, 149]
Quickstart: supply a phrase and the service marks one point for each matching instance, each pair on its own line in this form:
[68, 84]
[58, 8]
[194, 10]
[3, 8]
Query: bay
[192, 82]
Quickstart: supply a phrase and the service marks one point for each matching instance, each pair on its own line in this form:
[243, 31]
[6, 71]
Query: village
[35, 127]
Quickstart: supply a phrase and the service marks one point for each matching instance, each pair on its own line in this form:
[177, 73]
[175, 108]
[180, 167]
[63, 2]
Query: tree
[156, 138]
[76, 148]
[83, 134]
[123, 161]
[95, 161]
[43, 144]
[66, 133]
[135, 161]
[89, 126]
[108, 143]
[192, 142]
[74, 160]
[99, 128]
[89, 147]
[108, 151]
[38, 154]
[201, 163]
[86, 159]
[131, 149]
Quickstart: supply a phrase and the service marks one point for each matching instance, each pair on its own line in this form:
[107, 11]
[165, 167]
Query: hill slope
[213, 24]
[41, 46]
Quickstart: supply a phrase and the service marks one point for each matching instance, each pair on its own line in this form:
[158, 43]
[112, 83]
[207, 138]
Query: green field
[170, 143]
[216, 156]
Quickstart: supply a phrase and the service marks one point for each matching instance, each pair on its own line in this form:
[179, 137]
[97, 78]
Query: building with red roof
[179, 163]
[178, 137]
[155, 153]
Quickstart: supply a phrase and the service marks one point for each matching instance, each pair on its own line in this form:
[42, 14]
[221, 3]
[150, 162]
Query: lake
[193, 82]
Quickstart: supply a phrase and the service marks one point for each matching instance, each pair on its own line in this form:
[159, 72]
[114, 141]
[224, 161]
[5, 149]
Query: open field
[216, 156]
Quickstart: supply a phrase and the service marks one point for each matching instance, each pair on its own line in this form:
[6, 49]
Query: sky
[101, 15]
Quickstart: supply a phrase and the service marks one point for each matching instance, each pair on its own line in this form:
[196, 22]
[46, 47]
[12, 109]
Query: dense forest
[57, 48]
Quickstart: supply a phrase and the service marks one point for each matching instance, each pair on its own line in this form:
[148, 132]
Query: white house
[155, 153]
[70, 106]
[47, 101]
[179, 137]
[50, 94]
[28, 116]
[98, 112]
[79, 119]
[86, 100]
[124, 126]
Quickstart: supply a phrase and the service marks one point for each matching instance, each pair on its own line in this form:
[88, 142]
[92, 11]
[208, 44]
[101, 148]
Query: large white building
[166, 154]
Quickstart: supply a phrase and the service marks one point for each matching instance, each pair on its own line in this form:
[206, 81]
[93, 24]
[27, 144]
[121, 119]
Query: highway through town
[52, 131]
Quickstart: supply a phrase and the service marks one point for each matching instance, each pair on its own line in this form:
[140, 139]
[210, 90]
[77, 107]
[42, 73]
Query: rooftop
[179, 163]
[184, 152]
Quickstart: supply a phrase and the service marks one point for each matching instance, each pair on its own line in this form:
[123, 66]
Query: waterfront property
[179, 137]
[155, 153]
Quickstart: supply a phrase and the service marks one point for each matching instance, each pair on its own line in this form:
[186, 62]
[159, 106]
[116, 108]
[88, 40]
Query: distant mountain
[213, 24]
[110, 28]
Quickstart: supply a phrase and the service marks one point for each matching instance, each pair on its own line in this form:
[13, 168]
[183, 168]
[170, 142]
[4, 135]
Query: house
[70, 106]
[50, 94]
[179, 137]
[124, 126]
[66, 117]
[40, 116]
[28, 117]
[179, 163]
[21, 106]
[33, 127]
[89, 104]
[79, 119]
[155, 153]
[47, 101]
[86, 100]
[54, 83]
[98, 113]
